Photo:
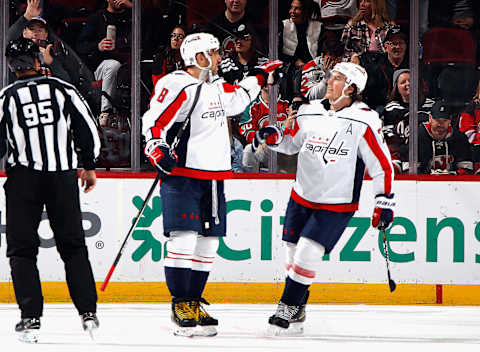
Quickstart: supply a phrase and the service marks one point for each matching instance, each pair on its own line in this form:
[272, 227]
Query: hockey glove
[268, 73]
[158, 152]
[270, 135]
[383, 212]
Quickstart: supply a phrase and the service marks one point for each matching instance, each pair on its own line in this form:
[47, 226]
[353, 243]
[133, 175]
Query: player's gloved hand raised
[270, 135]
[158, 152]
[268, 73]
[383, 212]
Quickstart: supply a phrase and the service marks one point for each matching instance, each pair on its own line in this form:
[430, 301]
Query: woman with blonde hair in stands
[367, 30]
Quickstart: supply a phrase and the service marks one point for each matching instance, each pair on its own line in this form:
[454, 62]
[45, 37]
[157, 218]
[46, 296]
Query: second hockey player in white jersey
[337, 139]
[192, 190]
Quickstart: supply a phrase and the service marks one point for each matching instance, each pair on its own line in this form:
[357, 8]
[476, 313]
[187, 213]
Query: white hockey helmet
[198, 43]
[354, 74]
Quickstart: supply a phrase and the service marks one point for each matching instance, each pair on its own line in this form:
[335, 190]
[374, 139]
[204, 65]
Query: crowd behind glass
[89, 44]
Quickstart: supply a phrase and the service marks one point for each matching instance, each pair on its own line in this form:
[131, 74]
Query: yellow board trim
[227, 292]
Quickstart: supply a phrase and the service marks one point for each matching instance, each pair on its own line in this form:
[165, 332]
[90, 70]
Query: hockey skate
[278, 326]
[298, 320]
[28, 330]
[183, 317]
[90, 323]
[206, 324]
[287, 320]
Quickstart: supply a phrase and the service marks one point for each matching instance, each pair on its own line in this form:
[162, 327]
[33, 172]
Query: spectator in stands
[335, 17]
[57, 58]
[299, 42]
[396, 119]
[104, 55]
[168, 59]
[300, 33]
[55, 55]
[225, 23]
[441, 148]
[470, 125]
[367, 30]
[254, 117]
[236, 149]
[313, 83]
[448, 13]
[236, 66]
[380, 75]
[396, 48]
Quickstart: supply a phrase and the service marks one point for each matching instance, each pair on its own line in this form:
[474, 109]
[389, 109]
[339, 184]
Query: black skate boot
[207, 325]
[183, 317]
[89, 323]
[280, 321]
[28, 330]
[296, 323]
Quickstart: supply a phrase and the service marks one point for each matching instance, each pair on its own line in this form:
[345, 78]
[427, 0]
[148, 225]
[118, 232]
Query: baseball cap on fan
[37, 20]
[441, 110]
[241, 32]
[395, 32]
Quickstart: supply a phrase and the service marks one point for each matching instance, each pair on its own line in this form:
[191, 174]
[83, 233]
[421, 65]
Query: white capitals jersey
[204, 148]
[334, 148]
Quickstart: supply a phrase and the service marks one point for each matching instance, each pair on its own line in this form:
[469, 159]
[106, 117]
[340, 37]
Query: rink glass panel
[155, 21]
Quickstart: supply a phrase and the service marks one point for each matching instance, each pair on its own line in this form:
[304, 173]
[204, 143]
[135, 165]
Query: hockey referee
[48, 127]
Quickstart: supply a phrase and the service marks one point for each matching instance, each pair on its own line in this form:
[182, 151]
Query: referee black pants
[27, 192]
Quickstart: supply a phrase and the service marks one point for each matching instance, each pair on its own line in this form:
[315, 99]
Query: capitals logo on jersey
[329, 149]
[216, 112]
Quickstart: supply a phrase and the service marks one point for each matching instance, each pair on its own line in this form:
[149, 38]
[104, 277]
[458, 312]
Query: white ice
[146, 327]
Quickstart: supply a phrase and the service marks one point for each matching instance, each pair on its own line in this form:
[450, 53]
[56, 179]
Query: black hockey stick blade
[392, 285]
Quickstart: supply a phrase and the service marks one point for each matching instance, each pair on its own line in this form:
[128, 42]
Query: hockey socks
[178, 281]
[198, 280]
[294, 292]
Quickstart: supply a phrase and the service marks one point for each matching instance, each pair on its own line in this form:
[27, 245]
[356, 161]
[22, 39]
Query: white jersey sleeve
[238, 96]
[170, 103]
[374, 152]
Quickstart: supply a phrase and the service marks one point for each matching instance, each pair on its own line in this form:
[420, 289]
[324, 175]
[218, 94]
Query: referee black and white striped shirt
[48, 125]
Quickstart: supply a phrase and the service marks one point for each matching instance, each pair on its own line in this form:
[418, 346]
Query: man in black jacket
[105, 55]
[57, 59]
[224, 25]
[442, 149]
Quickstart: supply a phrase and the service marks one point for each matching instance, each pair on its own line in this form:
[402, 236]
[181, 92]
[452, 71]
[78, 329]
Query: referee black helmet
[21, 55]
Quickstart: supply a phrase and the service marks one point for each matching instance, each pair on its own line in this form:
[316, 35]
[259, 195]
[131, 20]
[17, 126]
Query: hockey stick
[134, 224]
[391, 283]
[149, 195]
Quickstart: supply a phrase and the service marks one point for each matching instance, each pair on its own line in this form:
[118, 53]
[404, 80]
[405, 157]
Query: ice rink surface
[146, 327]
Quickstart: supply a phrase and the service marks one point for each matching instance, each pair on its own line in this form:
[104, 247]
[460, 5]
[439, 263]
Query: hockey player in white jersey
[192, 190]
[336, 138]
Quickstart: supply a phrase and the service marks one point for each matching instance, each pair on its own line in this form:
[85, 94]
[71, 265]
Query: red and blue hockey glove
[268, 73]
[383, 212]
[158, 152]
[270, 135]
